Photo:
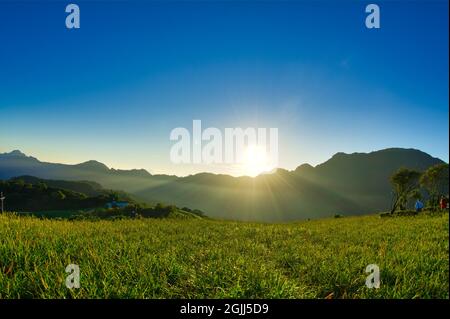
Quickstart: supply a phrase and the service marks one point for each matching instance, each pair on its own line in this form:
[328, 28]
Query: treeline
[140, 211]
[32, 194]
[88, 188]
[428, 186]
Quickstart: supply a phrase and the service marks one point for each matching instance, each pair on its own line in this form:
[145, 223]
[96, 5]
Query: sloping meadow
[195, 258]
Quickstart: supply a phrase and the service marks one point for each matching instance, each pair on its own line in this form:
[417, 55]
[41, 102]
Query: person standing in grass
[443, 202]
[418, 206]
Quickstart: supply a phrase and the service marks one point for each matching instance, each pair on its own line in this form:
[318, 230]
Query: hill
[347, 184]
[17, 163]
[87, 188]
[32, 194]
[80, 200]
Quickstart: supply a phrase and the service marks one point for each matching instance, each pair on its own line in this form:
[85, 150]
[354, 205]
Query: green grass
[200, 258]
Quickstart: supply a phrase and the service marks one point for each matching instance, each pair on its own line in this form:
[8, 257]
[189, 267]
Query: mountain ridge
[94, 164]
[348, 184]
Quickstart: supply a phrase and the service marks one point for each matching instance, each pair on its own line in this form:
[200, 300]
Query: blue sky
[115, 88]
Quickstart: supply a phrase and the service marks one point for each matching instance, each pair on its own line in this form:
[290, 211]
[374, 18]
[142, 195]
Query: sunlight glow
[256, 161]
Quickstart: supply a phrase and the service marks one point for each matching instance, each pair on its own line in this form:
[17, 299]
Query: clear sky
[114, 89]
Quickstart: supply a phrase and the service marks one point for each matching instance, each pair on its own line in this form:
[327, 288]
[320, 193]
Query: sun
[256, 161]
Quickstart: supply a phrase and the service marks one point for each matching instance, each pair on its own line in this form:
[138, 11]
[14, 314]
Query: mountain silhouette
[346, 184]
[16, 163]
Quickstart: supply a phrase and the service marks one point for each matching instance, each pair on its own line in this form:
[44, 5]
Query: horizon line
[273, 171]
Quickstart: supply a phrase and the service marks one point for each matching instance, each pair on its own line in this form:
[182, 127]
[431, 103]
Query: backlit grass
[192, 258]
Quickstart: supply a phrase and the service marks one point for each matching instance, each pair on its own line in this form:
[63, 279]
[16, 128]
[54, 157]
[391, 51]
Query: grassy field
[192, 258]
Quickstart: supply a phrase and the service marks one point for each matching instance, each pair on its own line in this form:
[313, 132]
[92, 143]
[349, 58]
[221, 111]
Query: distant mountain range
[347, 184]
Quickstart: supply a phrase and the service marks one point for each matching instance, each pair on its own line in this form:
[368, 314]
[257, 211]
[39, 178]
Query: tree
[435, 181]
[113, 196]
[405, 183]
[58, 195]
